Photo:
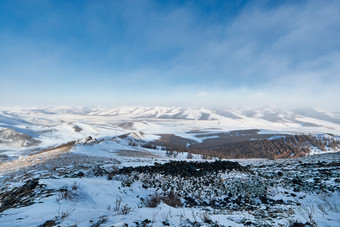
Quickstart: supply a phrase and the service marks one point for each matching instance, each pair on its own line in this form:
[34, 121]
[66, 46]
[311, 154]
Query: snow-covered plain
[276, 193]
[57, 125]
[81, 186]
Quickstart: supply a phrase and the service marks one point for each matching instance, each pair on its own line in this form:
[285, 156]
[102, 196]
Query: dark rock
[263, 199]
[48, 223]
[296, 189]
[165, 223]
[98, 171]
[299, 224]
[19, 196]
[186, 169]
[190, 201]
[204, 203]
[297, 180]
[88, 139]
[80, 174]
[279, 201]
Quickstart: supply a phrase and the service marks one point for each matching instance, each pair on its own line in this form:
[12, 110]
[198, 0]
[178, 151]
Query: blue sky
[170, 53]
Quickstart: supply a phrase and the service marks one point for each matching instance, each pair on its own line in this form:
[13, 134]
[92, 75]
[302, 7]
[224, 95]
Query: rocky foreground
[286, 192]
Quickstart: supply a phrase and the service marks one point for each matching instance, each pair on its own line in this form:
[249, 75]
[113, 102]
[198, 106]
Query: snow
[57, 125]
[96, 197]
[92, 202]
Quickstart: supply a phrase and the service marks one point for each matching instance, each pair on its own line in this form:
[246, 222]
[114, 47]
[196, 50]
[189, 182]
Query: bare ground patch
[139, 154]
[35, 159]
[171, 140]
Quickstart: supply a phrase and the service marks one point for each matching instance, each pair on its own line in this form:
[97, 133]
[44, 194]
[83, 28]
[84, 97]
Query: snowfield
[65, 166]
[58, 125]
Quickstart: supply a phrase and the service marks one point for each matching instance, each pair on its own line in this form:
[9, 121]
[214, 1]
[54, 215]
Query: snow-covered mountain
[248, 117]
[57, 125]
[75, 166]
[309, 116]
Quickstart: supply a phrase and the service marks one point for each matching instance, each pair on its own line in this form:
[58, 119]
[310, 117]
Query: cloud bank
[197, 53]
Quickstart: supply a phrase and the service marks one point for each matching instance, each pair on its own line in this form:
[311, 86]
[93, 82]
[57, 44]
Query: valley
[168, 167]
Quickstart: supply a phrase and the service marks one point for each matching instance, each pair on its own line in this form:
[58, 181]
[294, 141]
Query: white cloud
[202, 94]
[287, 56]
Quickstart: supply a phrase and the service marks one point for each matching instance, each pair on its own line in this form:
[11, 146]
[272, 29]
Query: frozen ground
[89, 186]
[30, 130]
[107, 176]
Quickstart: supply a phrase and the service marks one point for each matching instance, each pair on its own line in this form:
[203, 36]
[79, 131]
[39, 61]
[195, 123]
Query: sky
[210, 54]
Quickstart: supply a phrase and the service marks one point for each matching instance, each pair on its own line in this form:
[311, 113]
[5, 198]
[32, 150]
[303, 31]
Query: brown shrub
[169, 198]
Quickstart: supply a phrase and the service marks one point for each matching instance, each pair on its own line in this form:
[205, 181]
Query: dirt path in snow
[31, 160]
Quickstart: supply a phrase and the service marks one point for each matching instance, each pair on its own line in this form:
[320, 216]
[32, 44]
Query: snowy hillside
[165, 166]
[57, 125]
[113, 184]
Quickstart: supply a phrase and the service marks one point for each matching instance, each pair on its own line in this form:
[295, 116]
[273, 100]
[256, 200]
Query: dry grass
[35, 159]
[138, 154]
[169, 198]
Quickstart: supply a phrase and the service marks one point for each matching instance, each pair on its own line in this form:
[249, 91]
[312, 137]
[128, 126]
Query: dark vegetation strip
[186, 169]
[239, 147]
